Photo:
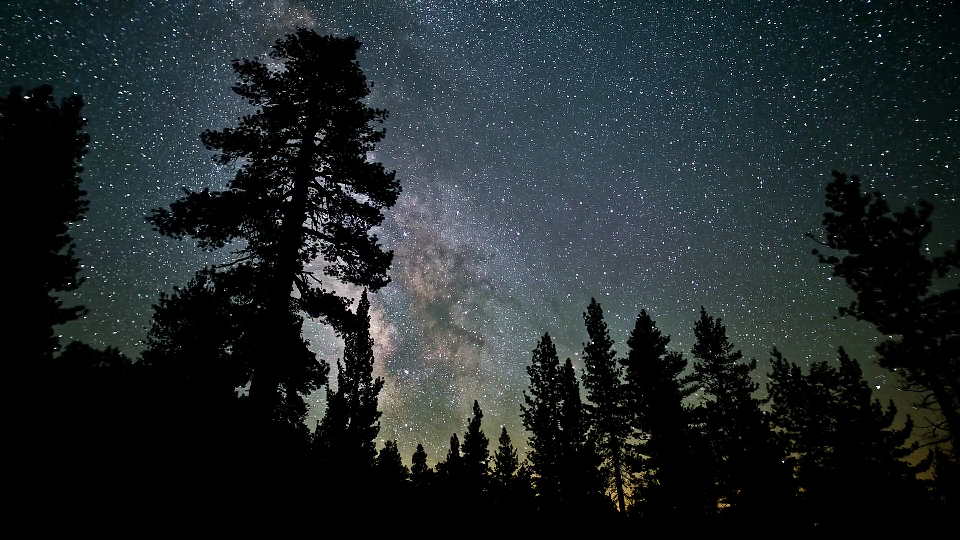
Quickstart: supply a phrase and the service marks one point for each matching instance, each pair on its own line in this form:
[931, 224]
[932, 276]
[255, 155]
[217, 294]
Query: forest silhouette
[643, 437]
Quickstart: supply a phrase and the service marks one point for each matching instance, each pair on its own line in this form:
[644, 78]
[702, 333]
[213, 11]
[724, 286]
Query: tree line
[646, 437]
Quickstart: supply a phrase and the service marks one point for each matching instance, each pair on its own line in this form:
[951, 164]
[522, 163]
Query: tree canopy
[886, 263]
[304, 191]
[43, 144]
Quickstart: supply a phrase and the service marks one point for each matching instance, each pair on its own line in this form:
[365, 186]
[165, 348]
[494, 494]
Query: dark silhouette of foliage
[389, 465]
[450, 471]
[581, 484]
[476, 454]
[511, 487]
[100, 438]
[887, 265]
[43, 144]
[841, 445]
[506, 464]
[193, 335]
[656, 390]
[190, 356]
[739, 438]
[541, 418]
[304, 190]
[607, 413]
[421, 475]
[346, 436]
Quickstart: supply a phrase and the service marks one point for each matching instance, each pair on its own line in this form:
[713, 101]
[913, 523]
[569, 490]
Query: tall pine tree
[608, 417]
[351, 423]
[421, 475]
[656, 390]
[42, 144]
[886, 262]
[450, 471]
[580, 483]
[846, 454]
[735, 427]
[541, 418]
[505, 463]
[476, 454]
[305, 190]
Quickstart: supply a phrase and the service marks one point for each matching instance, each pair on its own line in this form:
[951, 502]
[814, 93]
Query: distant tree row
[695, 445]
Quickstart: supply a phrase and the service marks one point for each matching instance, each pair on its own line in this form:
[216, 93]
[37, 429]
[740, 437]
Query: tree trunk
[948, 405]
[618, 480]
[273, 345]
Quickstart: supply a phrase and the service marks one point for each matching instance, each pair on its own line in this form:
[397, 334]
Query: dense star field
[652, 155]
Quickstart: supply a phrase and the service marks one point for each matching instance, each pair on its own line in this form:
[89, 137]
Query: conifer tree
[421, 475]
[192, 337]
[304, 190]
[389, 466]
[887, 263]
[360, 388]
[352, 421]
[450, 471]
[476, 453]
[43, 144]
[580, 482]
[737, 432]
[609, 425]
[656, 389]
[847, 457]
[541, 418]
[505, 463]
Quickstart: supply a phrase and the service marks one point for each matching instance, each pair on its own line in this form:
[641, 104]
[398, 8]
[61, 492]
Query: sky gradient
[655, 155]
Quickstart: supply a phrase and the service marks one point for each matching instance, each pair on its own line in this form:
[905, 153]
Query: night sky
[652, 155]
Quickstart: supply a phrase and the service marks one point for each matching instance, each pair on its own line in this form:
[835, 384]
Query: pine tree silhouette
[740, 439]
[886, 263]
[305, 190]
[841, 445]
[607, 413]
[389, 466]
[506, 464]
[476, 455]
[421, 475]
[346, 436]
[541, 418]
[43, 144]
[656, 389]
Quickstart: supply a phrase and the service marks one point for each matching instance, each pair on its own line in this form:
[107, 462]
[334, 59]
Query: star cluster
[655, 155]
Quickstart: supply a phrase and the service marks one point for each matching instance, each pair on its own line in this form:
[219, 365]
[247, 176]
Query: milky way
[653, 155]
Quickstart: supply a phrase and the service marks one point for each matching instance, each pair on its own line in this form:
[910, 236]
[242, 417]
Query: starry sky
[655, 155]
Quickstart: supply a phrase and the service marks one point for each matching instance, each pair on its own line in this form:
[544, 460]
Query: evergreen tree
[43, 144]
[360, 388]
[352, 422]
[450, 471]
[305, 189]
[331, 439]
[736, 430]
[609, 425]
[580, 483]
[191, 342]
[841, 445]
[888, 266]
[541, 418]
[476, 453]
[421, 475]
[511, 486]
[664, 443]
[389, 466]
[505, 463]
